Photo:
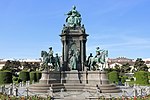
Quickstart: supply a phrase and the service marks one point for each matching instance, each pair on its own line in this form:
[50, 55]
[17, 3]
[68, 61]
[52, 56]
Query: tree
[125, 68]
[140, 65]
[117, 67]
[11, 65]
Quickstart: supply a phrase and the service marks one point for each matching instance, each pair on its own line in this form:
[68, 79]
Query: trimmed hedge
[24, 76]
[35, 75]
[38, 75]
[141, 77]
[113, 76]
[5, 77]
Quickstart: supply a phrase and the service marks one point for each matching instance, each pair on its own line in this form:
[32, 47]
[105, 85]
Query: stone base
[46, 81]
[74, 81]
[73, 76]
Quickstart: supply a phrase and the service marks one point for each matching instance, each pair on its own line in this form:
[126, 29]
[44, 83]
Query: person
[50, 54]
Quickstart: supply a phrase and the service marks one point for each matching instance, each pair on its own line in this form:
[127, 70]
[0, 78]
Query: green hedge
[5, 77]
[24, 76]
[35, 75]
[113, 76]
[141, 77]
[38, 75]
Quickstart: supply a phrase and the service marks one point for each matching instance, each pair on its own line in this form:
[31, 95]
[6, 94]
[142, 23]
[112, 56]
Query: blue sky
[29, 26]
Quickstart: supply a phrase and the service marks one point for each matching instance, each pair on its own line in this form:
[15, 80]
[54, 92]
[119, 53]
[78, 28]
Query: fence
[21, 89]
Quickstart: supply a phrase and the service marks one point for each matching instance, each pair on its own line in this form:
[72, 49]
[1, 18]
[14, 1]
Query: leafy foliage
[141, 77]
[140, 65]
[35, 75]
[24, 76]
[5, 77]
[113, 76]
[12, 66]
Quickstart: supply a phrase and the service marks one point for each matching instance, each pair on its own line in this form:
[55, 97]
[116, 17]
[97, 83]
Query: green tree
[125, 68]
[140, 65]
[12, 66]
[117, 67]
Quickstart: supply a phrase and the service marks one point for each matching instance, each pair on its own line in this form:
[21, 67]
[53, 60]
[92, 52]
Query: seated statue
[74, 17]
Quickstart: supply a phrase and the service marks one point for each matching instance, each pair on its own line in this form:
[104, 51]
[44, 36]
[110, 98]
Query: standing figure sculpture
[89, 62]
[51, 55]
[73, 62]
[57, 62]
[74, 18]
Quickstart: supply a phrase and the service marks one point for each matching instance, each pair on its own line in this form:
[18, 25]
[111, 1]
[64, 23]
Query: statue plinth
[74, 48]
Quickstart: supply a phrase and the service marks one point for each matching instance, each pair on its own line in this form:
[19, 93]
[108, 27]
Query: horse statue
[99, 61]
[47, 60]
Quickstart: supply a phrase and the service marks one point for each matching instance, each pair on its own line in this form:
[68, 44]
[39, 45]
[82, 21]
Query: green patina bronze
[73, 18]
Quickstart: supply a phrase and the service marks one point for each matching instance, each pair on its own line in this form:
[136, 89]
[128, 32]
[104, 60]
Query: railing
[22, 89]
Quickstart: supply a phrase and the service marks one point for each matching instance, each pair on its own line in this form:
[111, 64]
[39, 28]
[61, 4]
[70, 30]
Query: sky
[29, 26]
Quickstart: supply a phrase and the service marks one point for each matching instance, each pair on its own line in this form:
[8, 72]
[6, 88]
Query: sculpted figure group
[99, 61]
[73, 18]
[49, 61]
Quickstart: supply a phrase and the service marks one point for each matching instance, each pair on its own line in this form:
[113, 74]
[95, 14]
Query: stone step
[58, 87]
[109, 88]
[39, 88]
[74, 89]
[111, 91]
[40, 85]
[39, 91]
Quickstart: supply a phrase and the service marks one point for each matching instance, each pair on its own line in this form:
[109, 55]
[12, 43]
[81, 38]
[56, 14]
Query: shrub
[149, 75]
[15, 78]
[5, 77]
[24, 76]
[38, 75]
[113, 77]
[33, 76]
[141, 77]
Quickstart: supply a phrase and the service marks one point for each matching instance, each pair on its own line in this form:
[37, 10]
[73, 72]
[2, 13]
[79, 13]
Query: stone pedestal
[73, 76]
[74, 43]
[45, 77]
[49, 77]
[103, 78]
[93, 77]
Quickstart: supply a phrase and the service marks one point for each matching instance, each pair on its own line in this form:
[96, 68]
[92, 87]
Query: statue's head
[73, 7]
[91, 55]
[50, 48]
[97, 48]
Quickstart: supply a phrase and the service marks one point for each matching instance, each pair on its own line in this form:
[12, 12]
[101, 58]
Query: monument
[73, 39]
[74, 73]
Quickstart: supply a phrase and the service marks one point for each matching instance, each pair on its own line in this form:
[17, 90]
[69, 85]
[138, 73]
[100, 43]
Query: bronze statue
[74, 18]
[73, 62]
[50, 54]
